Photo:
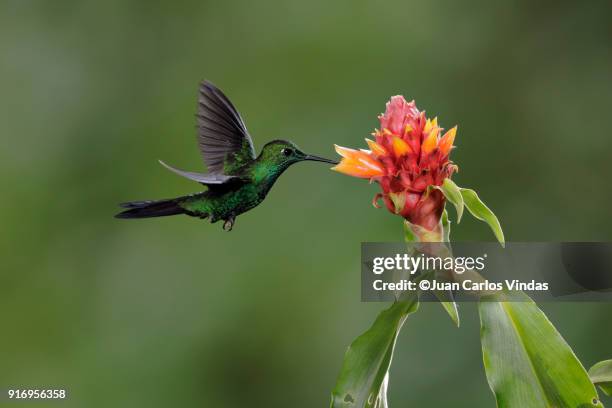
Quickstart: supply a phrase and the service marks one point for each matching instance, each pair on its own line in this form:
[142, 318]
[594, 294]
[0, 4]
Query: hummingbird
[237, 180]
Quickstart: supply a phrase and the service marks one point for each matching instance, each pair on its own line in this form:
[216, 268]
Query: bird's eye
[287, 152]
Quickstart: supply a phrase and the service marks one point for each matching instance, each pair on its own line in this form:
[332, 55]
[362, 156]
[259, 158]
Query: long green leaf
[363, 379]
[446, 298]
[479, 210]
[527, 362]
[601, 375]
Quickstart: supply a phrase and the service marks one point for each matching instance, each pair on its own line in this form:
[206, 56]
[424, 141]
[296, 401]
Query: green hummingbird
[237, 179]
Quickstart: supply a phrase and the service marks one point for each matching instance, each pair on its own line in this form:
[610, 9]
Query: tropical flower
[408, 156]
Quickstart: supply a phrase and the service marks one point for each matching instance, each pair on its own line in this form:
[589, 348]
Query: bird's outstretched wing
[223, 139]
[207, 179]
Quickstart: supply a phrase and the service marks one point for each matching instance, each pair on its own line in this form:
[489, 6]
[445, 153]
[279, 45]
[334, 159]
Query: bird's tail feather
[148, 209]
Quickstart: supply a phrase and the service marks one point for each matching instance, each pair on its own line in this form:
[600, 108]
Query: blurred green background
[176, 312]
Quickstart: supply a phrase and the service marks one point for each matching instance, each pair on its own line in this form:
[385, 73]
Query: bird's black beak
[319, 159]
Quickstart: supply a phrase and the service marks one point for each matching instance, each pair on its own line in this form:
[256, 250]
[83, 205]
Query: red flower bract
[407, 157]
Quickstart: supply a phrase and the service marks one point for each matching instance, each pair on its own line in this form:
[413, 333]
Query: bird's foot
[229, 224]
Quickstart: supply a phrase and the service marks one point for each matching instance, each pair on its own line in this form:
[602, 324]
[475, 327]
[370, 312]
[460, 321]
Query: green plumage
[227, 201]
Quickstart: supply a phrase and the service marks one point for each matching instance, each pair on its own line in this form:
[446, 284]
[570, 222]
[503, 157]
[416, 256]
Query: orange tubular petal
[357, 168]
[377, 149]
[345, 151]
[400, 147]
[431, 141]
[446, 143]
[358, 163]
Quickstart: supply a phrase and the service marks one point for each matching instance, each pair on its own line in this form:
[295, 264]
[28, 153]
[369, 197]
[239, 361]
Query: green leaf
[363, 379]
[601, 375]
[447, 300]
[527, 362]
[479, 210]
[453, 194]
